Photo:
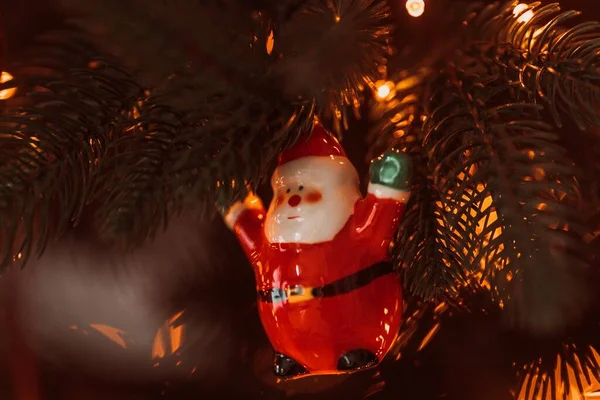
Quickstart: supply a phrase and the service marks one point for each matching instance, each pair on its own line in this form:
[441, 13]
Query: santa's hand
[392, 169]
[232, 212]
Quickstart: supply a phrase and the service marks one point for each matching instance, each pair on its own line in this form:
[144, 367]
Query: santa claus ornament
[328, 297]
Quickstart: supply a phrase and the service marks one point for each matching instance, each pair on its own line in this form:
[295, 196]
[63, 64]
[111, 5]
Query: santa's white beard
[315, 222]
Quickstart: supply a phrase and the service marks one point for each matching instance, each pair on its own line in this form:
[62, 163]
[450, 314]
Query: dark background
[198, 266]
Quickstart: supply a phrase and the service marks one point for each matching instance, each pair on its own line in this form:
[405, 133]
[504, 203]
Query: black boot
[285, 367]
[357, 359]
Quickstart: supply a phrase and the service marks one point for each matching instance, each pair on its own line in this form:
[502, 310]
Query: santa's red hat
[320, 155]
[321, 143]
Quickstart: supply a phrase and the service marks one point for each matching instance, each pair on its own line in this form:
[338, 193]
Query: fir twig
[557, 65]
[513, 190]
[132, 184]
[429, 246]
[232, 106]
[426, 246]
[400, 114]
[51, 140]
[48, 56]
[170, 161]
[565, 365]
[321, 51]
[331, 51]
[567, 373]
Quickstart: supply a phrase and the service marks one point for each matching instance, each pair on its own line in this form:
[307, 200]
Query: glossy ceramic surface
[320, 256]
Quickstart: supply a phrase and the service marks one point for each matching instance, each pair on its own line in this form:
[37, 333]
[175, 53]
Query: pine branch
[566, 365]
[234, 105]
[513, 190]
[132, 183]
[508, 190]
[557, 65]
[398, 114]
[569, 373]
[48, 56]
[332, 53]
[321, 49]
[52, 134]
[427, 246]
[170, 162]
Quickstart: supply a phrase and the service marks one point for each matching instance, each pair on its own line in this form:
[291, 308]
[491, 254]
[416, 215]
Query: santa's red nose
[294, 200]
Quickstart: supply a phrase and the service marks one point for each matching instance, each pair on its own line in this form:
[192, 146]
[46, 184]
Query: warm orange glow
[175, 317]
[176, 334]
[384, 90]
[158, 346]
[168, 339]
[429, 336]
[114, 334]
[526, 16]
[484, 217]
[590, 385]
[6, 93]
[270, 42]
[415, 8]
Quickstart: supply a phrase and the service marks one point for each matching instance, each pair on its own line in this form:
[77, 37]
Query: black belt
[340, 286]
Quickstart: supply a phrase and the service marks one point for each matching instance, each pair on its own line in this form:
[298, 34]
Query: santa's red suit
[319, 299]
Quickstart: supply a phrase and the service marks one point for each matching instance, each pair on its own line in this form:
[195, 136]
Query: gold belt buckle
[298, 294]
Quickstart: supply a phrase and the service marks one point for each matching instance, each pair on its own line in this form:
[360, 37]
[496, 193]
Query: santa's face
[313, 198]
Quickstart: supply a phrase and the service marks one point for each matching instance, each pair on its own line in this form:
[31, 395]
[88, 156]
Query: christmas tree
[125, 119]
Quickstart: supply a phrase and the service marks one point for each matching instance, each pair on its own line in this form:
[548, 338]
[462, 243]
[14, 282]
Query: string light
[384, 90]
[6, 93]
[415, 8]
[525, 17]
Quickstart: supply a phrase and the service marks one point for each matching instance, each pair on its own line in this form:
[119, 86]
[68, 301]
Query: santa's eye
[289, 190]
[300, 187]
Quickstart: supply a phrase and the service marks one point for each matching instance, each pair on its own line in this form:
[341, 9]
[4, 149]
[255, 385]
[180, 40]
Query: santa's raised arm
[379, 214]
[245, 219]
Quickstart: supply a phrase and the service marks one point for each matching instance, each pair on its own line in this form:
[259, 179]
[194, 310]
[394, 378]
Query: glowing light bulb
[519, 8]
[415, 8]
[384, 90]
[525, 17]
[6, 93]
